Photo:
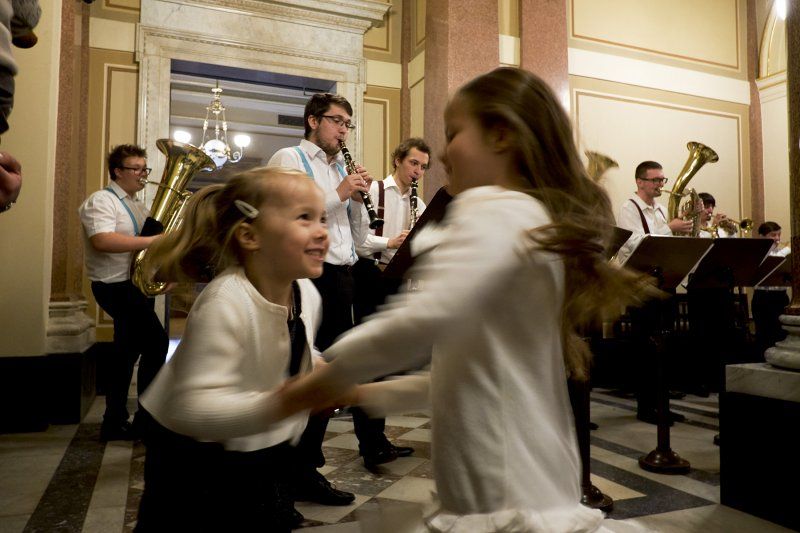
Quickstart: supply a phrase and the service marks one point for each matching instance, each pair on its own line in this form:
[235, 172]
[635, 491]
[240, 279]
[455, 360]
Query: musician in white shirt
[642, 215]
[112, 220]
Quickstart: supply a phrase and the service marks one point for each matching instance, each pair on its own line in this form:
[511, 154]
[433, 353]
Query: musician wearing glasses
[328, 122]
[642, 215]
[112, 220]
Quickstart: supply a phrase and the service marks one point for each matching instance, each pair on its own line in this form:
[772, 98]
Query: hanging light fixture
[217, 146]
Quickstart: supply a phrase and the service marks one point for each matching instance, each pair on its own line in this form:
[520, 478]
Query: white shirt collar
[644, 205]
[313, 151]
[119, 191]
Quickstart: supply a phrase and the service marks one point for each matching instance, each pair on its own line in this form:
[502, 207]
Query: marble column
[786, 353]
[543, 43]
[406, 47]
[461, 42]
[756, 137]
[69, 329]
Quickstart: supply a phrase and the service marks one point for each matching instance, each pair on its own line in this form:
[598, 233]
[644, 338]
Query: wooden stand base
[664, 462]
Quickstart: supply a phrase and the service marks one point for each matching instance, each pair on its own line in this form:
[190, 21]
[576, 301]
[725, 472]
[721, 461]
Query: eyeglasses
[145, 171]
[339, 121]
[662, 181]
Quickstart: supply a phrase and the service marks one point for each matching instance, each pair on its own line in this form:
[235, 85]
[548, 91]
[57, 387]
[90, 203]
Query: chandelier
[215, 144]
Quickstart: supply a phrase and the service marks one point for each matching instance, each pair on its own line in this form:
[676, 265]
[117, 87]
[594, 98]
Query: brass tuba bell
[183, 162]
[598, 164]
[699, 155]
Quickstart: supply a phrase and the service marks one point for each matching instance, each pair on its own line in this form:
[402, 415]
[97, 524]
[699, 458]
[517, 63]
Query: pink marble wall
[543, 42]
[793, 94]
[756, 137]
[461, 42]
[70, 168]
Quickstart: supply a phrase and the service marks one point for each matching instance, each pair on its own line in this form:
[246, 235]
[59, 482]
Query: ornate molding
[352, 15]
[69, 328]
[156, 41]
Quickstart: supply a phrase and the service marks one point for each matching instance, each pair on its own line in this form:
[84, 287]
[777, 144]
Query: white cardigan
[219, 385]
[503, 438]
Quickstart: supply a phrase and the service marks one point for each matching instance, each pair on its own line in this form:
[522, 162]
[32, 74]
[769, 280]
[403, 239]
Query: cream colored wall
[631, 124]
[26, 230]
[708, 35]
[775, 127]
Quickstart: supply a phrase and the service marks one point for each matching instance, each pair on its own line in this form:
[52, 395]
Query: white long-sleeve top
[629, 219]
[503, 437]
[396, 216]
[344, 218]
[219, 385]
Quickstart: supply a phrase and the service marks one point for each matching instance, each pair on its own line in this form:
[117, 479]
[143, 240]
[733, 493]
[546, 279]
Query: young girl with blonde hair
[519, 272]
[219, 450]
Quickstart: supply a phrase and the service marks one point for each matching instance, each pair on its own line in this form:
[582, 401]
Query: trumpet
[374, 220]
[731, 227]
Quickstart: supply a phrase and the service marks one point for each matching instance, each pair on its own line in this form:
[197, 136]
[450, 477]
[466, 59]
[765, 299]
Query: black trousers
[712, 328]
[199, 486]
[768, 306]
[137, 331]
[337, 288]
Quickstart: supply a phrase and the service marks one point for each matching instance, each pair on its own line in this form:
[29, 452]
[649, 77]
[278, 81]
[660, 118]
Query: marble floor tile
[340, 426]
[104, 519]
[52, 441]
[613, 490]
[348, 441]
[708, 519]
[406, 421]
[422, 435]
[402, 465]
[13, 523]
[347, 527]
[329, 513]
[411, 489]
[24, 480]
[111, 487]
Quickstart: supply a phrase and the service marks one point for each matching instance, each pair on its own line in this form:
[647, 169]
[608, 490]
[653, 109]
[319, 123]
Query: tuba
[183, 161]
[598, 164]
[699, 155]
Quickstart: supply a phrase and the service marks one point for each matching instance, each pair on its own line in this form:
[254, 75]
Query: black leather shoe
[118, 431]
[716, 439]
[380, 456]
[315, 488]
[402, 451]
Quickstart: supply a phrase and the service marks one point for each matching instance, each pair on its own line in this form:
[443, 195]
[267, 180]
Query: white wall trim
[653, 75]
[509, 50]
[416, 69]
[772, 87]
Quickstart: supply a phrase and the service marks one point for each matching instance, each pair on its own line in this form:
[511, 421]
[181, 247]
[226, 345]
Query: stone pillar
[69, 329]
[406, 47]
[756, 136]
[787, 352]
[461, 42]
[543, 43]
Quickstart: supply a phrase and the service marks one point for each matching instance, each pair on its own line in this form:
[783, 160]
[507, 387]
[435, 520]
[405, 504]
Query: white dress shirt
[344, 219]
[629, 219]
[104, 212]
[396, 218]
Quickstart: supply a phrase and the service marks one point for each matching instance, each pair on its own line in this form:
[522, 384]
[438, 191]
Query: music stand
[775, 272]
[669, 260]
[619, 236]
[434, 212]
[730, 263]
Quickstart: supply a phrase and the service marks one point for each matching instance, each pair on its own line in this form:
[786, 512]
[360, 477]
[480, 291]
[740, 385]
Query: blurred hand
[681, 226]
[10, 179]
[396, 241]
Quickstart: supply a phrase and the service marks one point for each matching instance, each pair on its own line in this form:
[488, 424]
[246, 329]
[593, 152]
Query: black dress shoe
[716, 439]
[119, 431]
[315, 488]
[593, 426]
[382, 455]
[402, 451]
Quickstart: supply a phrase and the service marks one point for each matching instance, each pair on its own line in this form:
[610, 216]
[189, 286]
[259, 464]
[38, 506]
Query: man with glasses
[112, 220]
[642, 215]
[327, 119]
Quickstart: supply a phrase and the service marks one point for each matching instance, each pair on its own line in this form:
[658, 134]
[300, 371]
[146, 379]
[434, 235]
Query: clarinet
[374, 220]
[412, 202]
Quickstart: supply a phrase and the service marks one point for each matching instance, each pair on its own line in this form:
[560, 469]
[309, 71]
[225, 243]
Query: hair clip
[247, 210]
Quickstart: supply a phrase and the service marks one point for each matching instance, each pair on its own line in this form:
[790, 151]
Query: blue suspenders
[310, 173]
[128, 209]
